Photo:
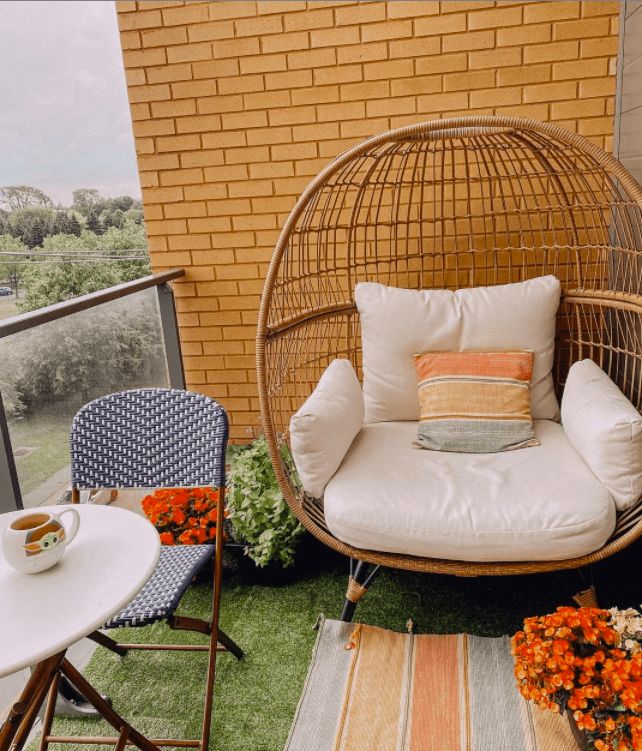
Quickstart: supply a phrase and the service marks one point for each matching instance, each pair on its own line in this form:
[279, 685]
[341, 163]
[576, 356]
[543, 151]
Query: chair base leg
[361, 577]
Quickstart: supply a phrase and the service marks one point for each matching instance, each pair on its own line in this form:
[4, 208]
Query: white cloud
[64, 116]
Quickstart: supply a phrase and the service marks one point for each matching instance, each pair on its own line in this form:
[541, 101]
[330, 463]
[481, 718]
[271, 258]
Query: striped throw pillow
[475, 402]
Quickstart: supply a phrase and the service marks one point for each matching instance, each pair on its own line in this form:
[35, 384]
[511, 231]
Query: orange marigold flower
[166, 538]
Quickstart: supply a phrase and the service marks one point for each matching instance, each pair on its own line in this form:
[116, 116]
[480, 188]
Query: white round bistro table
[111, 558]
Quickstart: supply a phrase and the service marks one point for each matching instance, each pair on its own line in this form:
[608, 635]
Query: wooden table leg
[22, 715]
[108, 713]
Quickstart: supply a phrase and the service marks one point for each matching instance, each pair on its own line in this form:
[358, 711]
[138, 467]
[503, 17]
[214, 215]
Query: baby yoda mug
[36, 540]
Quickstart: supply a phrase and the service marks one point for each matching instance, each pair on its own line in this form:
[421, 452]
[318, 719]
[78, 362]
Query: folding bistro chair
[157, 438]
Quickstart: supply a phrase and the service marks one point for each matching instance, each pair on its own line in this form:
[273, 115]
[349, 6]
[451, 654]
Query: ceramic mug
[36, 540]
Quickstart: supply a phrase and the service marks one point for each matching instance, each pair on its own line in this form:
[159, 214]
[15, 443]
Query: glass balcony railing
[54, 360]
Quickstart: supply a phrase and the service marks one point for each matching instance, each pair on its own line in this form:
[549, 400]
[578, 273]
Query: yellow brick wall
[236, 105]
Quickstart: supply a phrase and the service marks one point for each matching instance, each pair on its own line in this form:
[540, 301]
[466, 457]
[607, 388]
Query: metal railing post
[10, 496]
[171, 338]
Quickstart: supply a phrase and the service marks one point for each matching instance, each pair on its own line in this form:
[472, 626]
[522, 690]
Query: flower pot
[580, 736]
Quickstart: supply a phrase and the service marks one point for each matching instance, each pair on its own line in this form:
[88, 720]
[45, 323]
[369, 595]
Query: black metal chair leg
[361, 577]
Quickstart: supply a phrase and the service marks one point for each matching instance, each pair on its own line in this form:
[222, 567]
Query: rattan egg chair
[452, 203]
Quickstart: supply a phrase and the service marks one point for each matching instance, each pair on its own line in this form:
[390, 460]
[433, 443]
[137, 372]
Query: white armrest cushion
[605, 429]
[322, 431]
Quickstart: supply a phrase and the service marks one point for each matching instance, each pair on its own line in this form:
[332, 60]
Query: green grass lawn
[47, 435]
[256, 698]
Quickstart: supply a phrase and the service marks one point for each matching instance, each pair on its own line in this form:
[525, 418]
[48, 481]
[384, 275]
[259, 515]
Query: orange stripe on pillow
[491, 364]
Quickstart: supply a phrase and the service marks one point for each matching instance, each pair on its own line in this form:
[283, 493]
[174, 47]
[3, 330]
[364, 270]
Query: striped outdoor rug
[403, 692]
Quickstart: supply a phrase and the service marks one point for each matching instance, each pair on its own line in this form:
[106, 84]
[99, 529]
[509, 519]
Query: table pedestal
[45, 679]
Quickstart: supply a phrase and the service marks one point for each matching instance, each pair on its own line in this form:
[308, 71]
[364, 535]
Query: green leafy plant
[258, 511]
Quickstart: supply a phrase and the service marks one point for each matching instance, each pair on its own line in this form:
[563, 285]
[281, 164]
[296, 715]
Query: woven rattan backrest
[149, 438]
[449, 204]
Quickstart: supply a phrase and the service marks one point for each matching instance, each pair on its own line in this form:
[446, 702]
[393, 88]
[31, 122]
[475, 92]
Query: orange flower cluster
[183, 515]
[573, 659]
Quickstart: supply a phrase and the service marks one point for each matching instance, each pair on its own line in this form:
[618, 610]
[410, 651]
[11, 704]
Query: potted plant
[259, 514]
[587, 662]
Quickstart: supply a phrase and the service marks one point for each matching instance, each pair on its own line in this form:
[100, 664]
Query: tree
[17, 197]
[93, 222]
[31, 225]
[124, 203]
[86, 199]
[11, 267]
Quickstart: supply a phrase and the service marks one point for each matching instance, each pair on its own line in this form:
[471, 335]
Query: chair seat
[158, 599]
[533, 504]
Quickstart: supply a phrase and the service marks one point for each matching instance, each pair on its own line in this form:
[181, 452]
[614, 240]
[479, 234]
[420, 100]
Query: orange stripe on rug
[436, 714]
[373, 715]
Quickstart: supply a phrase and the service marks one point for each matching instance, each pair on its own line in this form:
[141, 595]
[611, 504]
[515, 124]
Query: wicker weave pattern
[449, 204]
[149, 438]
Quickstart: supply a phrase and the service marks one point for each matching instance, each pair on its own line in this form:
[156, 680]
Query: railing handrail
[34, 318]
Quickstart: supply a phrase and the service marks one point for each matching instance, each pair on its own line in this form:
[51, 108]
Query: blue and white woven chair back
[149, 438]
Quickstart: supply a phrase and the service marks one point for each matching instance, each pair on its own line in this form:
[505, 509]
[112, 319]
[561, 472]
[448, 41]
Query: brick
[362, 53]
[552, 52]
[595, 27]
[292, 115]
[163, 195]
[236, 47]
[343, 111]
[247, 155]
[201, 158]
[596, 126]
[229, 207]
[189, 53]
[209, 224]
[290, 79]
[182, 177]
[442, 64]
[269, 135]
[167, 227]
[153, 128]
[208, 105]
[244, 120]
[316, 58]
[164, 37]
[495, 97]
[469, 81]
[409, 9]
[293, 151]
[343, 35]
[263, 63]
[139, 20]
[216, 68]
[363, 128]
[148, 93]
[185, 210]
[169, 73]
[130, 40]
[398, 106]
[369, 90]
[285, 42]
[344, 74]
[388, 69]
[178, 143]
[135, 77]
[198, 124]
[174, 109]
[437, 25]
[523, 74]
[309, 19]
[208, 32]
[549, 92]
[258, 26]
[240, 84]
[416, 48]
[551, 11]
[143, 58]
[193, 89]
[267, 99]
[472, 40]
[597, 87]
[598, 47]
[387, 30]
[198, 192]
[315, 95]
[227, 172]
[599, 9]
[185, 14]
[493, 19]
[580, 69]
[232, 9]
[313, 132]
[267, 170]
[494, 58]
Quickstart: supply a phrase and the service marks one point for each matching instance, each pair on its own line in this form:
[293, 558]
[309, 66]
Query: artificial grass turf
[161, 693]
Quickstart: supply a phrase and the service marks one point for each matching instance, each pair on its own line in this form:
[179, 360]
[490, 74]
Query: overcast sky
[64, 117]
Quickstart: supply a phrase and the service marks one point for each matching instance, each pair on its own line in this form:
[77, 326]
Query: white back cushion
[397, 323]
[605, 429]
[323, 429]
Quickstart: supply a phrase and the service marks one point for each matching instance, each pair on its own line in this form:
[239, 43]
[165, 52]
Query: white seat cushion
[539, 504]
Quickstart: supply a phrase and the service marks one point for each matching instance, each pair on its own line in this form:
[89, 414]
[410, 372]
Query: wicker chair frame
[453, 203]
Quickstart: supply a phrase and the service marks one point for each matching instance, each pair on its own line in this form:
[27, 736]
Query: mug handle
[74, 525]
